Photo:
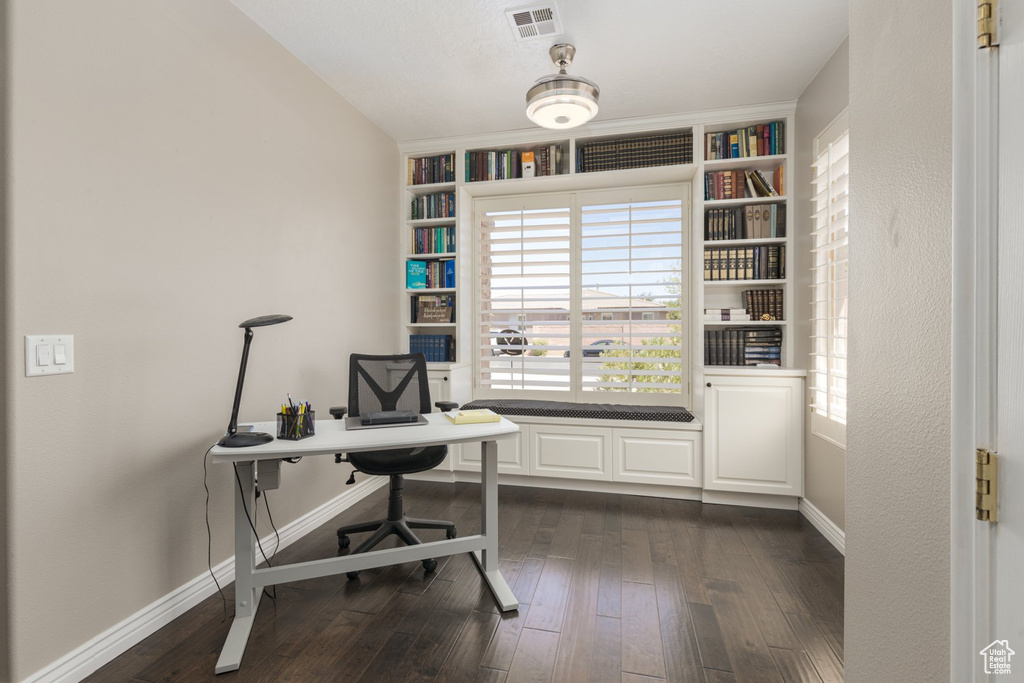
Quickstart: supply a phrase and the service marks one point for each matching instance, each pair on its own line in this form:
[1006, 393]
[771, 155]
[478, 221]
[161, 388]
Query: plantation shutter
[631, 300]
[524, 296]
[830, 226]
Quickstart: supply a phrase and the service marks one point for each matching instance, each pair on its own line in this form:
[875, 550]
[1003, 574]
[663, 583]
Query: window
[583, 295]
[830, 225]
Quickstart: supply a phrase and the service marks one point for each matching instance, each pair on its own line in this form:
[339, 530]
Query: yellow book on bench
[464, 417]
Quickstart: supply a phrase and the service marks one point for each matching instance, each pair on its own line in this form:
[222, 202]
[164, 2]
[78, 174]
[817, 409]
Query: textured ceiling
[438, 68]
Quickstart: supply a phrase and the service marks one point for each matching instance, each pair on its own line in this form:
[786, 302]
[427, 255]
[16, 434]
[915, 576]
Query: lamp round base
[241, 440]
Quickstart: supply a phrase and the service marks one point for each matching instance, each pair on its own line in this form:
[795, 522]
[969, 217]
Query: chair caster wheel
[429, 565]
[352, 576]
[344, 542]
[450, 533]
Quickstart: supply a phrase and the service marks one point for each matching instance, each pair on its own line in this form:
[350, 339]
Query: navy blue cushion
[598, 411]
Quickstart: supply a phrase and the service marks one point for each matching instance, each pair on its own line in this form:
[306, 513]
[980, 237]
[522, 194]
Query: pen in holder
[295, 426]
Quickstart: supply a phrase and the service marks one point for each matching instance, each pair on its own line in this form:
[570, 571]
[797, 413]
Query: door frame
[973, 333]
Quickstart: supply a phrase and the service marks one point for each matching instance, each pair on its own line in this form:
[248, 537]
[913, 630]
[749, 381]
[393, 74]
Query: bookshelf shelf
[742, 243]
[417, 190]
[743, 201]
[744, 283]
[763, 163]
[432, 256]
[430, 324]
[445, 290]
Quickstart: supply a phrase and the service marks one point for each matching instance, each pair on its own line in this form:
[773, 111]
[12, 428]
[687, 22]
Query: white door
[987, 597]
[1007, 544]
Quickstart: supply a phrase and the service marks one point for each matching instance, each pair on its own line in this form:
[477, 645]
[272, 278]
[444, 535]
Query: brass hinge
[988, 23]
[986, 485]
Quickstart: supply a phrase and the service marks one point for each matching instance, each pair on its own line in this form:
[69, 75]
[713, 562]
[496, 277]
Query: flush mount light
[562, 101]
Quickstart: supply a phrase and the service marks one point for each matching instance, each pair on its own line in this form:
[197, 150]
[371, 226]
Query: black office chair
[378, 383]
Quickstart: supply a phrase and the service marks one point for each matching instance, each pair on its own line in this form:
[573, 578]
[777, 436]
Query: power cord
[252, 525]
[209, 540]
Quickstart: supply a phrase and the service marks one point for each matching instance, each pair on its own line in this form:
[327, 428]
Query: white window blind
[524, 293]
[830, 227]
[583, 293]
[631, 263]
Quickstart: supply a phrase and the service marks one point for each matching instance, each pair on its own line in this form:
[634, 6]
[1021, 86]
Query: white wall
[172, 172]
[826, 96]
[898, 438]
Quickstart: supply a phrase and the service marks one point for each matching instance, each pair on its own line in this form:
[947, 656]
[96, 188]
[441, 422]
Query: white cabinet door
[511, 459]
[439, 383]
[653, 456]
[570, 452]
[753, 435]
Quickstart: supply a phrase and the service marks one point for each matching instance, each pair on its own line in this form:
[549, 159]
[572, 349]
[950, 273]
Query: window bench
[632, 448]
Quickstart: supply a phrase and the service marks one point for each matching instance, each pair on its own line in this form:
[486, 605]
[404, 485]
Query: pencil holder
[295, 427]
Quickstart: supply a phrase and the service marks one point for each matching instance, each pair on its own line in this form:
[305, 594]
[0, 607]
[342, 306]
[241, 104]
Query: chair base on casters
[396, 523]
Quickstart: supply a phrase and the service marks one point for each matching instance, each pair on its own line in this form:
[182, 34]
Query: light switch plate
[33, 341]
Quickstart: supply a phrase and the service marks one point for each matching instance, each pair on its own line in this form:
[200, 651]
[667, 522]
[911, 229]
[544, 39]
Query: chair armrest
[445, 406]
[338, 412]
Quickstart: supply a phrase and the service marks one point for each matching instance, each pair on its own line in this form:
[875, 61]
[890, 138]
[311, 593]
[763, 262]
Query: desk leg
[487, 559]
[247, 598]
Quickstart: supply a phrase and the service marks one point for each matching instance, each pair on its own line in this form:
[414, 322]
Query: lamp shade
[562, 101]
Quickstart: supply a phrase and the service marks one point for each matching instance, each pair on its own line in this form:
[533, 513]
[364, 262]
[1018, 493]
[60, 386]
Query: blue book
[415, 275]
[449, 272]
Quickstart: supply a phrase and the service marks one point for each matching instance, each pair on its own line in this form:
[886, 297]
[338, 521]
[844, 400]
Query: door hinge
[988, 23]
[986, 485]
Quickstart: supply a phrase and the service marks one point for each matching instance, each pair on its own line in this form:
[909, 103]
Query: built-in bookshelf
[746, 292]
[430, 248]
[740, 175]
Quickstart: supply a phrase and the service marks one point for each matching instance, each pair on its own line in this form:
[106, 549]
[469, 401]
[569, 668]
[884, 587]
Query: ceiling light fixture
[560, 100]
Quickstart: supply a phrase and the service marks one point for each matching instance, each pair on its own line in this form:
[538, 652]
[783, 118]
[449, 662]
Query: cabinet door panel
[570, 452]
[753, 435]
[647, 456]
[510, 456]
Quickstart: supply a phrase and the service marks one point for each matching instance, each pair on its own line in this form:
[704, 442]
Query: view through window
[584, 293]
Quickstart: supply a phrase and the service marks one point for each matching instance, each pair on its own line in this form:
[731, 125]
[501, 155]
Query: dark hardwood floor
[613, 588]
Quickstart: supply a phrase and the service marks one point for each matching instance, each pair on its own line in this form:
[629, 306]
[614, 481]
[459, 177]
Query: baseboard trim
[826, 526]
[113, 642]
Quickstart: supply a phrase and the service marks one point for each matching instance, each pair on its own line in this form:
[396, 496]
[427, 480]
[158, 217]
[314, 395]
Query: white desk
[331, 437]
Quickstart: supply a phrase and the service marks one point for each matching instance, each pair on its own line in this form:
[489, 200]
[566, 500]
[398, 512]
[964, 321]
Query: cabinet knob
[709, 385]
[445, 378]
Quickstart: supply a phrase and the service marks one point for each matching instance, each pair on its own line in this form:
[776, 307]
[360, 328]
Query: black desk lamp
[233, 439]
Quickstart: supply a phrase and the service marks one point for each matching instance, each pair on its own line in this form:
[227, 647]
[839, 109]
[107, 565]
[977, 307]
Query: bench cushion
[599, 411]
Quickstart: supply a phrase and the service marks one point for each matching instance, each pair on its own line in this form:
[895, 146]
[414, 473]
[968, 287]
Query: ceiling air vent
[534, 21]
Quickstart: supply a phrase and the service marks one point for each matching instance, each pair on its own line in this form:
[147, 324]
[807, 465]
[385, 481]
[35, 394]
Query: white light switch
[49, 354]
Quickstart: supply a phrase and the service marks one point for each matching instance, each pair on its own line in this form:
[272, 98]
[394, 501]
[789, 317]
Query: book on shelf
[415, 274]
[763, 139]
[479, 415]
[726, 314]
[436, 348]
[743, 346]
[432, 308]
[665, 149]
[507, 164]
[429, 170]
[434, 205]
[437, 240]
[764, 303]
[763, 262]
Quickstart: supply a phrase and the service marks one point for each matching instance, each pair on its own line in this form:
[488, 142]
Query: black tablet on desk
[390, 418]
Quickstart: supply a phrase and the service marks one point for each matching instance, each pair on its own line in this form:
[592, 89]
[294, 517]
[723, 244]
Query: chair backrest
[396, 382]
